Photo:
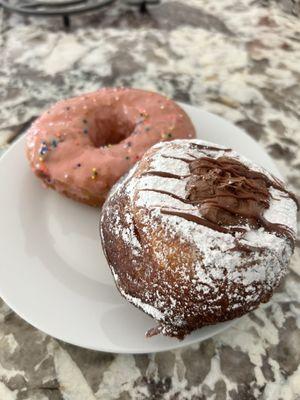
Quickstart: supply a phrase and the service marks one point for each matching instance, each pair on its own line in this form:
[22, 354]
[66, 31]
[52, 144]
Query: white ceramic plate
[53, 272]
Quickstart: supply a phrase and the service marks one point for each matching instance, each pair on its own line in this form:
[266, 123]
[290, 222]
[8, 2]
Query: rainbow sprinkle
[54, 143]
[43, 149]
[94, 173]
[166, 136]
[144, 114]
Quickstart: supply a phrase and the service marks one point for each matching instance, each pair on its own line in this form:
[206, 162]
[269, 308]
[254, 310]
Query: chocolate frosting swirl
[228, 193]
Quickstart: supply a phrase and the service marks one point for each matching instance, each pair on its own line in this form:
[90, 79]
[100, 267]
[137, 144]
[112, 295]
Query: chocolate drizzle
[202, 147]
[187, 160]
[278, 184]
[245, 248]
[227, 193]
[164, 174]
[201, 221]
[173, 195]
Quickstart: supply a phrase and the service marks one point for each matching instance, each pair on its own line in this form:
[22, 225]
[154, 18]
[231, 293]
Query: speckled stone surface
[239, 59]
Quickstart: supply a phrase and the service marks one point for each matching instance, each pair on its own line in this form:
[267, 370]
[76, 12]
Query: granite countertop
[238, 59]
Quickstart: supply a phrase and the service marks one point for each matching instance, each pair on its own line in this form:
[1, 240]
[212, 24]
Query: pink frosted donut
[83, 145]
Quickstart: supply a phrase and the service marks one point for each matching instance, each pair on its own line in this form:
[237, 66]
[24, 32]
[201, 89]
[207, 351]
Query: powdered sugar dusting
[167, 164]
[282, 210]
[162, 186]
[127, 232]
[214, 246]
[154, 312]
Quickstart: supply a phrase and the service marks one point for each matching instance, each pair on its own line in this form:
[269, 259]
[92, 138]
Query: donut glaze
[83, 145]
[202, 234]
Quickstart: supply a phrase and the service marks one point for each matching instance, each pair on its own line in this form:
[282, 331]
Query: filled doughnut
[202, 235]
[83, 145]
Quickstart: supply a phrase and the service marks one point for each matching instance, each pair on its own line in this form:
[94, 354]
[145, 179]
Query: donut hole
[110, 131]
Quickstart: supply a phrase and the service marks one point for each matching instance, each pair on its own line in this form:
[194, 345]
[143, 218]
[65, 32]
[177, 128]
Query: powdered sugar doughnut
[203, 235]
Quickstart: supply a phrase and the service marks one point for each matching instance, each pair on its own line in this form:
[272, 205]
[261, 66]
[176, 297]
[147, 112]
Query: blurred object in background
[66, 8]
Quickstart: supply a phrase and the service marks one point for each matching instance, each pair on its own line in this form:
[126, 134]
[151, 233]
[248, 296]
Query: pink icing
[88, 142]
